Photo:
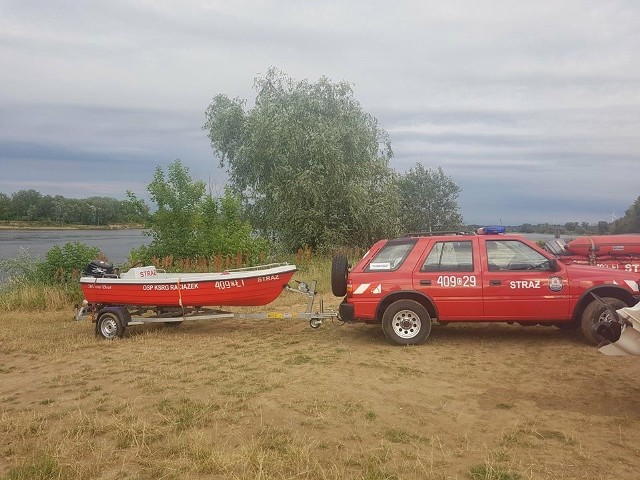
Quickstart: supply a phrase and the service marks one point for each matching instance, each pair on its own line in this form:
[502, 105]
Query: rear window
[391, 256]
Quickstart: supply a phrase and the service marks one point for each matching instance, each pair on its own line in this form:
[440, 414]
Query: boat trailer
[112, 320]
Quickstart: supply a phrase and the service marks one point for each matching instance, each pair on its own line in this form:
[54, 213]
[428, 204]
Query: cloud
[532, 108]
[78, 151]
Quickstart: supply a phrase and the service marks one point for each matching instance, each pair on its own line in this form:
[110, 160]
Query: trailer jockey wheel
[315, 323]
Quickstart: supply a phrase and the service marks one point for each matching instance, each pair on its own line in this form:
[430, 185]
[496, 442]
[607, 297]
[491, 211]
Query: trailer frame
[112, 320]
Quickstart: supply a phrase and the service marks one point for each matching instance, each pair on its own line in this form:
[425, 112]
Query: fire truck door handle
[495, 282]
[425, 282]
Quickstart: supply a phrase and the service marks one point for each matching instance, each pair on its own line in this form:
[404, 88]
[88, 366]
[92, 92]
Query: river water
[114, 244]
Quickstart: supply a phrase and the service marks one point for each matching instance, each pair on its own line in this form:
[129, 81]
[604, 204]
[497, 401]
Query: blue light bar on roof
[493, 230]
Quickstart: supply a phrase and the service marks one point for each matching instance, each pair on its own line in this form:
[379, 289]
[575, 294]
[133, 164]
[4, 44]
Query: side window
[514, 255]
[449, 257]
[391, 256]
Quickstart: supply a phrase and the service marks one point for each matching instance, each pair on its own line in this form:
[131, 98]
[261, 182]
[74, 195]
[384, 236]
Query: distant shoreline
[36, 226]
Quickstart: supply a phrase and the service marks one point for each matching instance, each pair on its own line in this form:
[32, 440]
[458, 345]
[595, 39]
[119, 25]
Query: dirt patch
[277, 399]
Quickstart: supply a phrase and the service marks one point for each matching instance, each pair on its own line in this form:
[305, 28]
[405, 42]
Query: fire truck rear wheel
[406, 322]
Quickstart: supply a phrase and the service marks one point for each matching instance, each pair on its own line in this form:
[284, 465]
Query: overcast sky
[533, 108]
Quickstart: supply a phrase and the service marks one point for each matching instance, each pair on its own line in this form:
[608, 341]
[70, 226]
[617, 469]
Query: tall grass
[20, 296]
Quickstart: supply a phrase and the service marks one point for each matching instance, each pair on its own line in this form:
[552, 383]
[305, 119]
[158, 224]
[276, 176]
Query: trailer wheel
[406, 322]
[315, 323]
[339, 270]
[109, 326]
[596, 312]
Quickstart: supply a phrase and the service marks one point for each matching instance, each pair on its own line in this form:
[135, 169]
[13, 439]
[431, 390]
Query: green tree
[311, 165]
[175, 221]
[30, 205]
[630, 223]
[571, 226]
[603, 227]
[188, 223]
[429, 200]
[5, 207]
[26, 205]
[60, 214]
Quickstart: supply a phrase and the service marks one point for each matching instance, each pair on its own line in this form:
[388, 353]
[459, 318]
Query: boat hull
[234, 288]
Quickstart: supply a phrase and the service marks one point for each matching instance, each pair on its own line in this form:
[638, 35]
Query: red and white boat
[147, 286]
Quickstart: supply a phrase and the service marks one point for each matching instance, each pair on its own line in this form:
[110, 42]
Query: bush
[188, 223]
[64, 265]
[48, 284]
[24, 267]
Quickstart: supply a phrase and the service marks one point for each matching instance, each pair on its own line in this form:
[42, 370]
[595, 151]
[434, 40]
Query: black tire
[406, 322]
[339, 271]
[109, 326]
[315, 323]
[596, 312]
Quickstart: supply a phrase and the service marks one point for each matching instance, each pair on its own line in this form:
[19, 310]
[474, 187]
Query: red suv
[408, 283]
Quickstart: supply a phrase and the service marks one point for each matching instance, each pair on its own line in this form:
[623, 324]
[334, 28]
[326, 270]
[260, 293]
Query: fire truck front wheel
[596, 312]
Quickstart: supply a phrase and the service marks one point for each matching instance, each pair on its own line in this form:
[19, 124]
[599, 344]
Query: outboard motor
[98, 268]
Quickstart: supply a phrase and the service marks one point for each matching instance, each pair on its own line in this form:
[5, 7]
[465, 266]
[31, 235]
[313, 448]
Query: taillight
[349, 290]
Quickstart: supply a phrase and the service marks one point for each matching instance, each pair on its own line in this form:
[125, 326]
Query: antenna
[613, 216]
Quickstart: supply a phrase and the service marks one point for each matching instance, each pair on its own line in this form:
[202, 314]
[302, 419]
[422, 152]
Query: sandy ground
[277, 399]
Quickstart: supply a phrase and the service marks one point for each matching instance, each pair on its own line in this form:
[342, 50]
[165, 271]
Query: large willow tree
[312, 166]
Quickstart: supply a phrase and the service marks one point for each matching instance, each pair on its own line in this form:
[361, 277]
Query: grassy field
[259, 399]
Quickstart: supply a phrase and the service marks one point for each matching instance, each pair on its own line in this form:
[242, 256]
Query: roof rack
[442, 232]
